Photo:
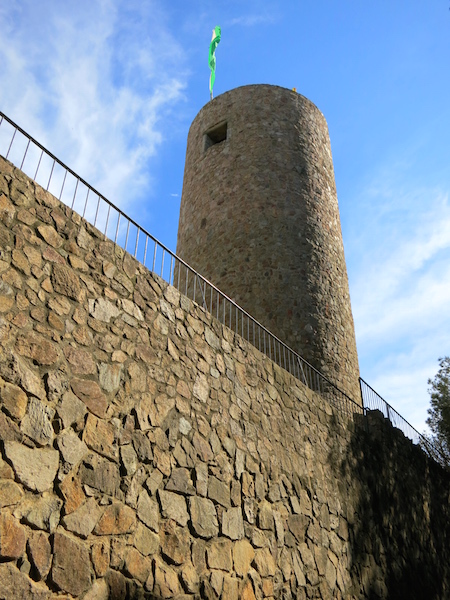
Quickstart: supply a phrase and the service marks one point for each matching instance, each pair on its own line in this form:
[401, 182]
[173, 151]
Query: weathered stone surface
[103, 310]
[129, 459]
[71, 447]
[10, 493]
[37, 423]
[298, 569]
[13, 399]
[50, 236]
[72, 491]
[145, 540]
[142, 446]
[90, 393]
[12, 537]
[35, 468]
[99, 591]
[29, 380]
[173, 506]
[190, 578]
[66, 282]
[166, 580]
[148, 511]
[40, 553]
[243, 555]
[81, 361]
[42, 512]
[83, 520]
[101, 475]
[203, 517]
[117, 585]
[233, 523]
[137, 566]
[70, 409]
[9, 430]
[247, 592]
[264, 563]
[70, 567]
[100, 554]
[297, 525]
[38, 348]
[175, 542]
[109, 376]
[265, 516]
[219, 492]
[116, 519]
[218, 555]
[201, 388]
[99, 436]
[180, 481]
[14, 584]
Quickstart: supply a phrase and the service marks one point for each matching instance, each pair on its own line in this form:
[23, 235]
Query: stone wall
[149, 452]
[259, 218]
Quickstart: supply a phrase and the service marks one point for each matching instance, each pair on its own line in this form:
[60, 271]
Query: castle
[148, 450]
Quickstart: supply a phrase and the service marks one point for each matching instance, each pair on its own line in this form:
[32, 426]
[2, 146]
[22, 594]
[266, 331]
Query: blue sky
[111, 87]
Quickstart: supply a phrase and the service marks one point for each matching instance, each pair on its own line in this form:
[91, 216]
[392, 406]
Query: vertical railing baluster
[39, 164]
[11, 143]
[51, 173]
[145, 249]
[154, 258]
[107, 219]
[126, 238]
[75, 193]
[137, 241]
[86, 202]
[170, 271]
[24, 156]
[96, 212]
[63, 183]
[162, 263]
[117, 228]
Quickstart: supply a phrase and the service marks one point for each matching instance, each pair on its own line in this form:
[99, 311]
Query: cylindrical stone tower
[259, 218]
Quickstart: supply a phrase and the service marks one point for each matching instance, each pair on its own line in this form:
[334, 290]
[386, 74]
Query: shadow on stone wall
[400, 527]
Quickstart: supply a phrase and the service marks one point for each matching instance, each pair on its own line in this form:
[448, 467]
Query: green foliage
[439, 419]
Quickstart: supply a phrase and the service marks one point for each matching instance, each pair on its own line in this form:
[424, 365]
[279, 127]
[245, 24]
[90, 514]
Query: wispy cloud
[93, 83]
[400, 284]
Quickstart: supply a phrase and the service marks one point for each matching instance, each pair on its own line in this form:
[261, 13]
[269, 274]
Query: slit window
[215, 135]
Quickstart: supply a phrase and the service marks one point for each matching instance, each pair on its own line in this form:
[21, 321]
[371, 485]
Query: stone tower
[259, 218]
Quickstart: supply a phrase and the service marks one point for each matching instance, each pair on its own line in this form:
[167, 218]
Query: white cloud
[400, 287]
[92, 81]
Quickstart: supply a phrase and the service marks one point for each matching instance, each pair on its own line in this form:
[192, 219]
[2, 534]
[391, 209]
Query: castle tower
[259, 218]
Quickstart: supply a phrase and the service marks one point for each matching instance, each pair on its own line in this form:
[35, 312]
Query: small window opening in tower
[215, 135]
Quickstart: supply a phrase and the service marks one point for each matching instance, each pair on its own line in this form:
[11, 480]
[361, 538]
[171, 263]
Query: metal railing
[373, 401]
[57, 178]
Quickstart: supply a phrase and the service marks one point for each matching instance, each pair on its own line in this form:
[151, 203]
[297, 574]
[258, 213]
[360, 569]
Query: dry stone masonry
[259, 218]
[147, 451]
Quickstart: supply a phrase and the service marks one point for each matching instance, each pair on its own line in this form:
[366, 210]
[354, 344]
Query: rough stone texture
[71, 565]
[198, 469]
[271, 239]
[12, 537]
[14, 584]
[35, 468]
[40, 553]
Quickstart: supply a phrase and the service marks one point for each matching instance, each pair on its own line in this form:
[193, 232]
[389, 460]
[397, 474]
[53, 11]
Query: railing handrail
[423, 441]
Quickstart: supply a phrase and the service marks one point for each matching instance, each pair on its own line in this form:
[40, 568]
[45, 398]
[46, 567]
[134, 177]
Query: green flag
[212, 57]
